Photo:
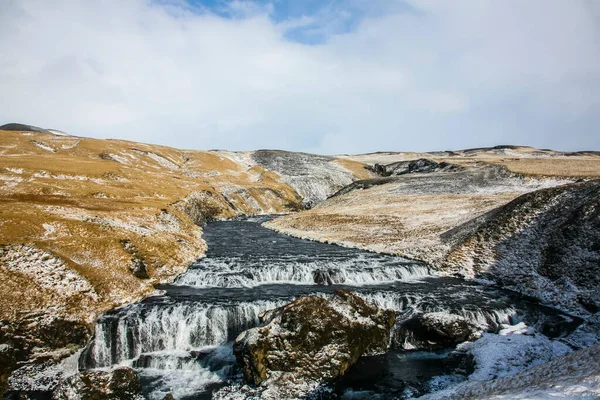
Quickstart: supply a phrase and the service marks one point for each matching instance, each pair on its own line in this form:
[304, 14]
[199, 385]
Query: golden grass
[522, 160]
[357, 168]
[377, 220]
[93, 203]
[557, 167]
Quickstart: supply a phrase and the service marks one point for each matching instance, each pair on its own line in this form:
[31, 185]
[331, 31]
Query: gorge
[137, 266]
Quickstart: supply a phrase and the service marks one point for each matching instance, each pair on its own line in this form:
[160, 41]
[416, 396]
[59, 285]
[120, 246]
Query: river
[181, 342]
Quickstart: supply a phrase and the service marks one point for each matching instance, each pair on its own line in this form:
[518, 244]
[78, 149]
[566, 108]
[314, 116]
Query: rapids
[180, 342]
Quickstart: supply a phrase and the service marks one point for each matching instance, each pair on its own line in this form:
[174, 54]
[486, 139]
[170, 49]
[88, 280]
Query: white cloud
[452, 74]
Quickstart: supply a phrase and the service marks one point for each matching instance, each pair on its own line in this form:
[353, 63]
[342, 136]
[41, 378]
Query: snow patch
[43, 146]
[69, 146]
[45, 270]
[513, 350]
[159, 159]
[50, 229]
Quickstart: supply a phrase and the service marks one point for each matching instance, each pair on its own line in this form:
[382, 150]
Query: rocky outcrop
[421, 165]
[21, 127]
[314, 177]
[433, 331]
[119, 384]
[544, 244]
[329, 276]
[312, 338]
[412, 215]
[37, 339]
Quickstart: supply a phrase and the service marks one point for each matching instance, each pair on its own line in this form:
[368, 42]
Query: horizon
[488, 147]
[335, 77]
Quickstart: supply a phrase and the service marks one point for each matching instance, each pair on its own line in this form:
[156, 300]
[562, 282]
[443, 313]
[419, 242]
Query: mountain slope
[545, 244]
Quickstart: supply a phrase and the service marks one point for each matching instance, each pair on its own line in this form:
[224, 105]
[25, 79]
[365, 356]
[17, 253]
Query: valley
[130, 255]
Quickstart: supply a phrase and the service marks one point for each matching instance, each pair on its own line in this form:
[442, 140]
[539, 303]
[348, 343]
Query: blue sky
[318, 76]
[320, 18]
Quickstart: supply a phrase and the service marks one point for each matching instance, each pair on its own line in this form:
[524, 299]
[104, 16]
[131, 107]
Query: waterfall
[140, 329]
[487, 316]
[181, 342]
[232, 273]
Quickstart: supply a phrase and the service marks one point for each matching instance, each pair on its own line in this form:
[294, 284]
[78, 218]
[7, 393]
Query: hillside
[87, 225]
[532, 233]
[544, 244]
[409, 214]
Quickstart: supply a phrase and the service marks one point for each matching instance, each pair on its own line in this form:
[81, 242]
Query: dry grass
[561, 167]
[522, 160]
[377, 220]
[79, 198]
[357, 168]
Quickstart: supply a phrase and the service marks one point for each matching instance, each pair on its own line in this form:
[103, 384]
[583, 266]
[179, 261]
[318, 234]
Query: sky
[320, 76]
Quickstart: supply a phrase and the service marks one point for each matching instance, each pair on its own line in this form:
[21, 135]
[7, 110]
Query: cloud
[423, 75]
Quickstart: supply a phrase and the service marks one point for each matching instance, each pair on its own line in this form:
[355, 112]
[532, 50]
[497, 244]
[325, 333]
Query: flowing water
[180, 342]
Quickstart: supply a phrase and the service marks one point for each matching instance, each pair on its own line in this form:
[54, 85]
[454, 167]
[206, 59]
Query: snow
[69, 146]
[118, 158]
[159, 159]
[510, 351]
[43, 146]
[574, 376]
[50, 229]
[45, 270]
[10, 181]
[57, 132]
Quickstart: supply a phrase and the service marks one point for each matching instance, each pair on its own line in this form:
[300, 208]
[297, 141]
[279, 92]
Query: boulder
[328, 276]
[118, 384]
[434, 331]
[313, 338]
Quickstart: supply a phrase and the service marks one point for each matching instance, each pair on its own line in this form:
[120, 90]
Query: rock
[138, 268]
[434, 331]
[421, 165]
[121, 383]
[313, 177]
[36, 340]
[313, 338]
[8, 362]
[327, 276]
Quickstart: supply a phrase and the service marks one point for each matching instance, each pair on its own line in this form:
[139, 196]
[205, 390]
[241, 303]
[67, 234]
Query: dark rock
[21, 127]
[434, 331]
[138, 268]
[330, 276]
[17, 341]
[204, 206]
[313, 338]
[118, 384]
[421, 165]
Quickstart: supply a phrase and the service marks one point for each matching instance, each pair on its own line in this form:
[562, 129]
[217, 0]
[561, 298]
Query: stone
[328, 276]
[433, 331]
[118, 384]
[313, 338]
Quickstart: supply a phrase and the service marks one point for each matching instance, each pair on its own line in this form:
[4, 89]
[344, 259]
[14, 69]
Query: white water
[180, 343]
[231, 272]
[181, 327]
